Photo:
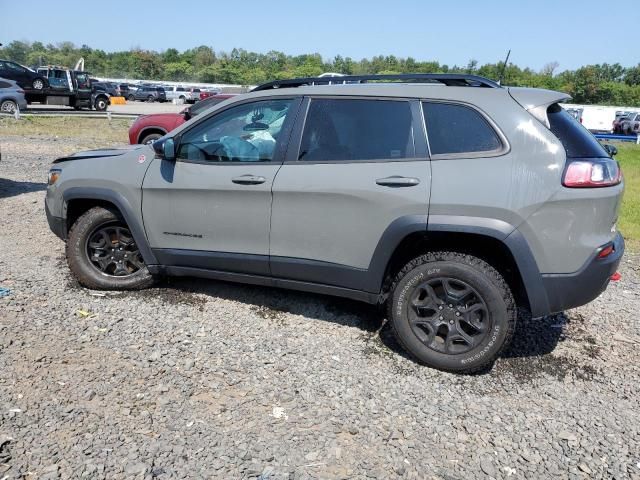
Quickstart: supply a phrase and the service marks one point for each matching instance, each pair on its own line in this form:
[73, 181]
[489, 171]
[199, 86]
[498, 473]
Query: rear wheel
[38, 84]
[8, 106]
[452, 311]
[150, 98]
[131, 98]
[103, 255]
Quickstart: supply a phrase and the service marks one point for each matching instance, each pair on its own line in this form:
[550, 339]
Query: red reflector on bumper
[606, 251]
[616, 276]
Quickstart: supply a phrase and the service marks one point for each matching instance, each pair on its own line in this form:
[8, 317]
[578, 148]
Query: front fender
[124, 207]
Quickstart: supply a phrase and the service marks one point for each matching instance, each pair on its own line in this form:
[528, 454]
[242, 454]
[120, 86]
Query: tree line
[611, 84]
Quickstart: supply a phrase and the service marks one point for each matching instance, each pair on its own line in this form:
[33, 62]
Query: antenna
[504, 67]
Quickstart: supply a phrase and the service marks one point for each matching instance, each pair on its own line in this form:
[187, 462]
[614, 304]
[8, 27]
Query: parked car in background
[150, 94]
[11, 96]
[631, 124]
[208, 93]
[124, 90]
[194, 95]
[616, 126]
[111, 88]
[598, 119]
[25, 77]
[131, 93]
[176, 93]
[575, 113]
[148, 128]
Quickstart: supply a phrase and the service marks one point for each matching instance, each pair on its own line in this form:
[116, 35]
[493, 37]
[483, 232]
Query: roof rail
[449, 79]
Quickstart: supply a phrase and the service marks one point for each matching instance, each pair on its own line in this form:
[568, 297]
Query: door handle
[249, 180]
[397, 181]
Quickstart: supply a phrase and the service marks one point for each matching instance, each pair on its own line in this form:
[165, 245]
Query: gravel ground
[203, 379]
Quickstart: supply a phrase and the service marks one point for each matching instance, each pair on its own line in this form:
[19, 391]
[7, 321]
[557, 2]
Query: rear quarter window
[455, 129]
[577, 141]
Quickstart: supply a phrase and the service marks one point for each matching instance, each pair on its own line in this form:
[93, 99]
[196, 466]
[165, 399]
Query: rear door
[211, 208]
[355, 166]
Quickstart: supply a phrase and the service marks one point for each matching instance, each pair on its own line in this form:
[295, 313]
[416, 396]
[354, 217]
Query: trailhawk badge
[142, 158]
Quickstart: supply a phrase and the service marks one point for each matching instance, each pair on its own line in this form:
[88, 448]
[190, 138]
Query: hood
[100, 153]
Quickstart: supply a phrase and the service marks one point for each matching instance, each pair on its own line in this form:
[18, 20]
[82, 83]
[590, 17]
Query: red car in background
[207, 94]
[148, 128]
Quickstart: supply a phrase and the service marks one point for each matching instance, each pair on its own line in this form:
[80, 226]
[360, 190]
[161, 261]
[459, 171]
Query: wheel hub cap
[448, 315]
[112, 250]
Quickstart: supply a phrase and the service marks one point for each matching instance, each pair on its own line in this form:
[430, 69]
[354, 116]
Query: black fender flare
[515, 242]
[125, 208]
[393, 235]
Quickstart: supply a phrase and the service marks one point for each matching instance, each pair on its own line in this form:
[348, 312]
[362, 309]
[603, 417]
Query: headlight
[54, 174]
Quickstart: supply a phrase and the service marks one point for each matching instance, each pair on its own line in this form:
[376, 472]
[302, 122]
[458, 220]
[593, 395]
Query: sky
[570, 32]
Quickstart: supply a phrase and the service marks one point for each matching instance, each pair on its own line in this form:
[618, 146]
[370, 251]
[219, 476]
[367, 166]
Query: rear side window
[4, 84]
[457, 129]
[357, 130]
[577, 140]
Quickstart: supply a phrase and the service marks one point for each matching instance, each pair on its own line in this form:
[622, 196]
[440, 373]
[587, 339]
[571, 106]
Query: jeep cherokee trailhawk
[449, 198]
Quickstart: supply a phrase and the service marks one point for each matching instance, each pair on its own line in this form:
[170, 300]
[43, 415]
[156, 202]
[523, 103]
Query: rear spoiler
[537, 100]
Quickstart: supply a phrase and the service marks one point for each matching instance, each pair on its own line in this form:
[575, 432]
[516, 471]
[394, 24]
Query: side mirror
[611, 150]
[165, 148]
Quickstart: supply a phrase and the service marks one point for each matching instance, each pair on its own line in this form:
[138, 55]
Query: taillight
[600, 172]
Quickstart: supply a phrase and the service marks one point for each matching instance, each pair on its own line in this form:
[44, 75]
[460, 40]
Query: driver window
[246, 133]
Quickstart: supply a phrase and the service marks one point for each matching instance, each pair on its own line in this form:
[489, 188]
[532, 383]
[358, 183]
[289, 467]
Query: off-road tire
[78, 260]
[486, 282]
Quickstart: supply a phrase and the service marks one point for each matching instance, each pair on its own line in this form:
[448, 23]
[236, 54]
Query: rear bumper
[572, 290]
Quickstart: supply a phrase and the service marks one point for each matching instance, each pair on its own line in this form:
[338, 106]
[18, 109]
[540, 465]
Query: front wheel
[100, 104]
[152, 137]
[452, 311]
[103, 255]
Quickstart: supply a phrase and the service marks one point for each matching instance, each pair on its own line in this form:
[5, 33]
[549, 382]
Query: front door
[361, 168]
[211, 208]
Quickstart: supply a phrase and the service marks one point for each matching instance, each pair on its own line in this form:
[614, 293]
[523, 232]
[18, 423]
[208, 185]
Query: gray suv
[150, 94]
[449, 199]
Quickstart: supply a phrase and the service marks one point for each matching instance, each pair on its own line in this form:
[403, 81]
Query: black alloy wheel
[448, 315]
[112, 251]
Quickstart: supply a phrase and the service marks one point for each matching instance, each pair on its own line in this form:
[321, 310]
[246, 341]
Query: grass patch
[629, 223]
[99, 130]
